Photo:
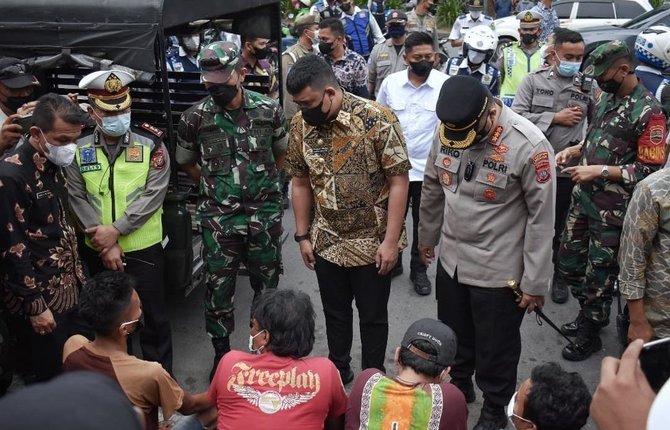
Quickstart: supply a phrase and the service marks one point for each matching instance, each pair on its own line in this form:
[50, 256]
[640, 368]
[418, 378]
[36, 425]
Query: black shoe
[571, 328]
[221, 348]
[559, 292]
[466, 388]
[587, 342]
[346, 376]
[285, 201]
[421, 283]
[492, 417]
[397, 270]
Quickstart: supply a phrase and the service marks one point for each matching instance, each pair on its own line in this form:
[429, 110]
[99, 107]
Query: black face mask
[528, 39]
[609, 86]
[223, 94]
[421, 68]
[315, 116]
[325, 48]
[432, 9]
[345, 7]
[14, 103]
[261, 53]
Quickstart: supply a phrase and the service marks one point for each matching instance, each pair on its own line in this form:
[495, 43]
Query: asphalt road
[194, 353]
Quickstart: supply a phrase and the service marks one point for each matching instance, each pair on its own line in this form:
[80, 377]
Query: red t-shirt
[267, 391]
[378, 402]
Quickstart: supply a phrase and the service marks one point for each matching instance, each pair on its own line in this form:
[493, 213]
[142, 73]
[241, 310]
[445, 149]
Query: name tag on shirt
[46, 194]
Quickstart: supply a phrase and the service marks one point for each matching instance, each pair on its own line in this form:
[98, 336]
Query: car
[596, 36]
[580, 14]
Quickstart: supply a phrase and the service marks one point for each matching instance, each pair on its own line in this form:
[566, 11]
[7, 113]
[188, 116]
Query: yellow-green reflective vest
[516, 65]
[111, 189]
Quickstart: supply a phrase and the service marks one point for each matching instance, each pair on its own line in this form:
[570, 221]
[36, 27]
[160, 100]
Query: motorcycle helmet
[480, 39]
[652, 47]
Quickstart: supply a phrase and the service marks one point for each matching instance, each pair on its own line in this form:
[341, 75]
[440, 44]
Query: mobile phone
[25, 122]
[655, 362]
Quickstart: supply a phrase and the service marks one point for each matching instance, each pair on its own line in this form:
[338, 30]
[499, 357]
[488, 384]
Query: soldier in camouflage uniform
[624, 144]
[239, 138]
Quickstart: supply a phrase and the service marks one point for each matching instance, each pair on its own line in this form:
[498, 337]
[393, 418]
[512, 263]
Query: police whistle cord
[541, 316]
[139, 260]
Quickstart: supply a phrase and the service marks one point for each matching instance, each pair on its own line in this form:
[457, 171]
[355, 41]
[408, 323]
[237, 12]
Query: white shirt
[377, 34]
[415, 108]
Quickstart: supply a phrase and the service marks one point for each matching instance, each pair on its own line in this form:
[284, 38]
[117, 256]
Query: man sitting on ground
[110, 304]
[551, 399]
[417, 397]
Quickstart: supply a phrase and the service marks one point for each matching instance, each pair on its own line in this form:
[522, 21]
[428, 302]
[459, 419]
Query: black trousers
[338, 287]
[486, 322]
[46, 351]
[156, 336]
[414, 200]
[563, 194]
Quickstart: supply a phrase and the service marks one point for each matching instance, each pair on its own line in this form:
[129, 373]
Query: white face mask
[475, 57]
[475, 14]
[251, 343]
[59, 155]
[192, 43]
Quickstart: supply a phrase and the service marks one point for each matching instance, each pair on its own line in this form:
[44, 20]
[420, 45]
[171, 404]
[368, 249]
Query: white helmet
[481, 38]
[652, 47]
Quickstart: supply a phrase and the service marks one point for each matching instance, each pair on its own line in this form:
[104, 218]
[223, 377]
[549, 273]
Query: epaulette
[488, 17]
[541, 69]
[461, 16]
[150, 130]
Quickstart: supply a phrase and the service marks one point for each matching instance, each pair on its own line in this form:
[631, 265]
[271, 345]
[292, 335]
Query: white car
[578, 14]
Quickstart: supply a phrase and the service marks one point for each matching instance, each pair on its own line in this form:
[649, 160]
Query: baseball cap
[605, 55]
[459, 120]
[438, 334]
[14, 73]
[218, 61]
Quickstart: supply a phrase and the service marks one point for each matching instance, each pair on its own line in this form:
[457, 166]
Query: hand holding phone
[655, 362]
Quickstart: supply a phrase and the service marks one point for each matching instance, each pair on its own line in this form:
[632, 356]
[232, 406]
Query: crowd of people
[495, 152]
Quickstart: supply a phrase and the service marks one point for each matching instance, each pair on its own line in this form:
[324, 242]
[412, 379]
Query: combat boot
[587, 341]
[559, 291]
[421, 282]
[221, 348]
[466, 387]
[571, 328]
[492, 417]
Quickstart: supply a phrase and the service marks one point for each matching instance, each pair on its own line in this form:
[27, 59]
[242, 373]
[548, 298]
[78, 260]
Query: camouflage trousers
[260, 253]
[587, 257]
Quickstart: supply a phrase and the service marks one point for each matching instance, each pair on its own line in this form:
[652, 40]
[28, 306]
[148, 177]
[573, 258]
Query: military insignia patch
[446, 162]
[153, 130]
[489, 194]
[134, 154]
[446, 179]
[542, 167]
[491, 177]
[113, 84]
[650, 147]
[498, 158]
[158, 159]
[496, 135]
[88, 156]
[501, 149]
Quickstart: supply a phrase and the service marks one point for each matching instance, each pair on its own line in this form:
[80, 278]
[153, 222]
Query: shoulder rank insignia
[153, 130]
[134, 154]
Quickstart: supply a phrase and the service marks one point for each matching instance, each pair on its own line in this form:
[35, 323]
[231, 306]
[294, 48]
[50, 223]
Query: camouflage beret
[605, 55]
[218, 61]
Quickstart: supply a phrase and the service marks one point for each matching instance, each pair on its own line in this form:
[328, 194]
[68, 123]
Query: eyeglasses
[510, 411]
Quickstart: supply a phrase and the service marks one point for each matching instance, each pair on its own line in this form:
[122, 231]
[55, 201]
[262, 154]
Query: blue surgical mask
[568, 68]
[116, 125]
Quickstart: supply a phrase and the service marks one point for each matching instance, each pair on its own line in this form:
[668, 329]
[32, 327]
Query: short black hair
[104, 298]
[310, 71]
[417, 38]
[334, 25]
[557, 400]
[420, 365]
[288, 315]
[52, 106]
[564, 35]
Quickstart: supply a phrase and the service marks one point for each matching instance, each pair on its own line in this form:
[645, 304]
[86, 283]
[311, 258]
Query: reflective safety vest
[516, 65]
[357, 30]
[111, 188]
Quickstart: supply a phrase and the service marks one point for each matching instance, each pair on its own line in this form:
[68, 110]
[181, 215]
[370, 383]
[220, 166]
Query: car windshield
[646, 18]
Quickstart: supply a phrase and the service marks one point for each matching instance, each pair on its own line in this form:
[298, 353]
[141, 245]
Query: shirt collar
[465, 65]
[432, 80]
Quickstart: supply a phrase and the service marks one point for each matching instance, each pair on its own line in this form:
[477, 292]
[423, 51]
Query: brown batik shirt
[348, 162]
[39, 262]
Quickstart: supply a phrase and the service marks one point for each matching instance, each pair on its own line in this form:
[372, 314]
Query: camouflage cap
[218, 61]
[604, 56]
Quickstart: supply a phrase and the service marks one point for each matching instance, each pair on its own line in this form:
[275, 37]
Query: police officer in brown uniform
[488, 197]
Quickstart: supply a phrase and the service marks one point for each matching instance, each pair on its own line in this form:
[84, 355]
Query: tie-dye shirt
[378, 402]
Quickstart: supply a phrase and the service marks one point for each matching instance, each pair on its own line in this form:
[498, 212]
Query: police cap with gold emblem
[529, 19]
[108, 89]
[462, 103]
[475, 4]
[396, 17]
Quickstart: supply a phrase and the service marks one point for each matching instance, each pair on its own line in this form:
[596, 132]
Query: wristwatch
[300, 238]
[605, 172]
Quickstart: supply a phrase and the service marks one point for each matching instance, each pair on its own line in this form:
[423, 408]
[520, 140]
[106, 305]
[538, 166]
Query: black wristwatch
[301, 237]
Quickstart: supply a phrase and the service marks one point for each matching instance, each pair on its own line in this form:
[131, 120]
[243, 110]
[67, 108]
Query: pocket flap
[450, 164]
